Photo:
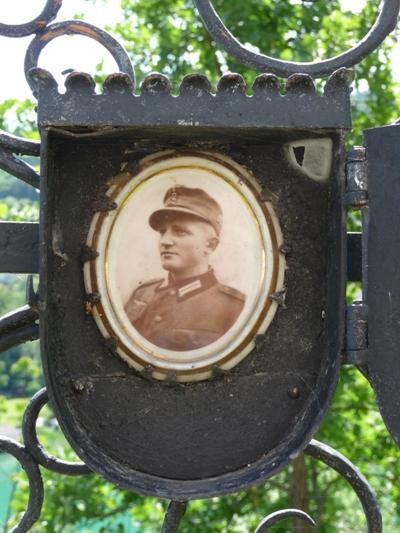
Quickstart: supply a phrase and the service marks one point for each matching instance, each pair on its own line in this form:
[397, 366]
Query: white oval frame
[234, 345]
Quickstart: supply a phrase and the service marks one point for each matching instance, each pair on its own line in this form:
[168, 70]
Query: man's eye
[181, 232]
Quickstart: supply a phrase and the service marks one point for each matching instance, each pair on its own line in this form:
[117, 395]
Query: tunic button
[157, 318]
[172, 292]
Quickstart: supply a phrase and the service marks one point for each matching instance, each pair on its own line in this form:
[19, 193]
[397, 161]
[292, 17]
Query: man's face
[185, 244]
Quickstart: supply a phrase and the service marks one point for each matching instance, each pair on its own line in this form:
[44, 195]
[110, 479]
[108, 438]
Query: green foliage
[19, 209]
[353, 426]
[170, 37]
[19, 117]
[12, 410]
[20, 371]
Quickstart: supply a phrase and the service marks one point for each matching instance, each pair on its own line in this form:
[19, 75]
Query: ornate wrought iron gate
[375, 353]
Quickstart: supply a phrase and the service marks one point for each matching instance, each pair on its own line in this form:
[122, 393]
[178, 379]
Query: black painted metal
[19, 168]
[356, 178]
[19, 336]
[354, 257]
[24, 316]
[10, 146]
[195, 109]
[31, 469]
[383, 261]
[19, 243]
[353, 476]
[34, 447]
[18, 145]
[18, 327]
[384, 25]
[173, 516]
[278, 516]
[48, 13]
[75, 27]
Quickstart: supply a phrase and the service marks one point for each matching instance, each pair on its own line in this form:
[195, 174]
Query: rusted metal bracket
[356, 341]
[356, 346]
[356, 176]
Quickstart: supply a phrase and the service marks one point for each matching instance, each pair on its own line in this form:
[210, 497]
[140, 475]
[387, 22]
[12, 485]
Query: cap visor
[161, 215]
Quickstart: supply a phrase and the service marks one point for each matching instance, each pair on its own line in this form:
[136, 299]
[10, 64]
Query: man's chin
[169, 265]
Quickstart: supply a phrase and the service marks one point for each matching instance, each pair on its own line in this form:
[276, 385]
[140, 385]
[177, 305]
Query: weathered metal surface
[19, 243]
[356, 177]
[34, 447]
[384, 25]
[196, 108]
[173, 517]
[383, 293]
[293, 369]
[15, 166]
[18, 327]
[48, 13]
[353, 476]
[75, 27]
[356, 334]
[18, 145]
[31, 469]
[278, 516]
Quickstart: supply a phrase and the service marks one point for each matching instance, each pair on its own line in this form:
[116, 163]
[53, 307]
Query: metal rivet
[279, 297]
[78, 385]
[294, 393]
[285, 249]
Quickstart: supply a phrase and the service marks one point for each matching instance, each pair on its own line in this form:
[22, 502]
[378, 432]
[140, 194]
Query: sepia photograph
[186, 262]
[189, 308]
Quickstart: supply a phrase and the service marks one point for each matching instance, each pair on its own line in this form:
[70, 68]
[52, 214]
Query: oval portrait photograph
[186, 264]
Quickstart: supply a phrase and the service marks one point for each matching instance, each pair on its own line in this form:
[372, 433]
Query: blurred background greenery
[168, 36]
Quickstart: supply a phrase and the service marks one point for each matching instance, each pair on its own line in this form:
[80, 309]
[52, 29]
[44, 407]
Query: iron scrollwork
[384, 25]
[21, 325]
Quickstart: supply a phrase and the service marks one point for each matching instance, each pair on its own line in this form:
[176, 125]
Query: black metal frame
[21, 325]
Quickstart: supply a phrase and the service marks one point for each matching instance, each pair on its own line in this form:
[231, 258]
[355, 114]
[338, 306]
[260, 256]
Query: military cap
[194, 202]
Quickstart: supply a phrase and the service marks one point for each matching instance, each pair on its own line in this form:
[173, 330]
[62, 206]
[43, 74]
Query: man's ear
[212, 244]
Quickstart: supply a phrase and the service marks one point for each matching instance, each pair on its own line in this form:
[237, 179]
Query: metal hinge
[356, 178]
[356, 345]
[356, 341]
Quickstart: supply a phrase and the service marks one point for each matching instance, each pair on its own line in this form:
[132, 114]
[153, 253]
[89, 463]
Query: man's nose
[166, 239]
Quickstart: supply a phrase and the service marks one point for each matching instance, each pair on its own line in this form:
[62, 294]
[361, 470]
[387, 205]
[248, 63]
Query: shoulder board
[232, 292]
[150, 282]
[146, 291]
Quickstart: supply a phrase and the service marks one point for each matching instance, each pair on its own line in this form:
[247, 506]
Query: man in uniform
[190, 309]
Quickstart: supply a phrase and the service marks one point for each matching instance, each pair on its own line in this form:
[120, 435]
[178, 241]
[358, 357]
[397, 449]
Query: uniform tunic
[186, 315]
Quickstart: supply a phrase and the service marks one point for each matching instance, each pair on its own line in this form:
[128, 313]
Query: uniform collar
[188, 287]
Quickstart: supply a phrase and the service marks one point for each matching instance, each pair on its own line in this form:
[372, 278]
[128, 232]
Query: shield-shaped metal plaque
[168, 379]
